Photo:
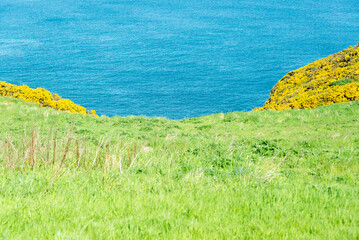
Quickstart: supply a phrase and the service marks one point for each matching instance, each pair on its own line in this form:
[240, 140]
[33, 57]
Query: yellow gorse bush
[333, 79]
[42, 97]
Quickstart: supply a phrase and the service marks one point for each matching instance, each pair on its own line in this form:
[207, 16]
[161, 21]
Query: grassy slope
[279, 175]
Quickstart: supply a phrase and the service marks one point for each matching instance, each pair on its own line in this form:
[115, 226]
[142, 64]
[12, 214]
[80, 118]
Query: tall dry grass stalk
[54, 148]
[43, 150]
[32, 148]
[67, 148]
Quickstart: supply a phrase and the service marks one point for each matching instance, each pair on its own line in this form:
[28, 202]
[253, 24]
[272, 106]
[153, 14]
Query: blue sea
[168, 58]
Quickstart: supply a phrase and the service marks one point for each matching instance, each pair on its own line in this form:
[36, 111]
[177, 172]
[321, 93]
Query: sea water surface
[169, 58]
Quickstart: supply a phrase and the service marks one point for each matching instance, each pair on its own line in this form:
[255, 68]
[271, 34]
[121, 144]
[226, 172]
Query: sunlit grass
[276, 175]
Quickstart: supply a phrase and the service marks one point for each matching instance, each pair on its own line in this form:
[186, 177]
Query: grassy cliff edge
[241, 175]
[42, 97]
[255, 175]
[333, 79]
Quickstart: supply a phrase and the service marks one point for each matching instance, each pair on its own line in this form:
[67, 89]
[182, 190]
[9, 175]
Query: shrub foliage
[333, 79]
[42, 97]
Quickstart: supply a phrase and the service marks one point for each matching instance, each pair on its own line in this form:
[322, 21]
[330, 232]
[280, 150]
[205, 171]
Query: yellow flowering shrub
[42, 97]
[333, 79]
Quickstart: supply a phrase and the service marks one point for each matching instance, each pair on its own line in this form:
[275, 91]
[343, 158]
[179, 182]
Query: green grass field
[257, 175]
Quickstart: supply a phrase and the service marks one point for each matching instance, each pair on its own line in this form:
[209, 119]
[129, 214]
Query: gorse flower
[42, 97]
[329, 80]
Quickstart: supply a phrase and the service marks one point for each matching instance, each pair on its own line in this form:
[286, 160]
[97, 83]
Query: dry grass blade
[54, 148]
[99, 146]
[270, 174]
[32, 148]
[66, 149]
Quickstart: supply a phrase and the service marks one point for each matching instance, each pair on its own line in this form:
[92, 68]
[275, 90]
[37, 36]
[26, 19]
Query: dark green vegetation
[342, 82]
[292, 174]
